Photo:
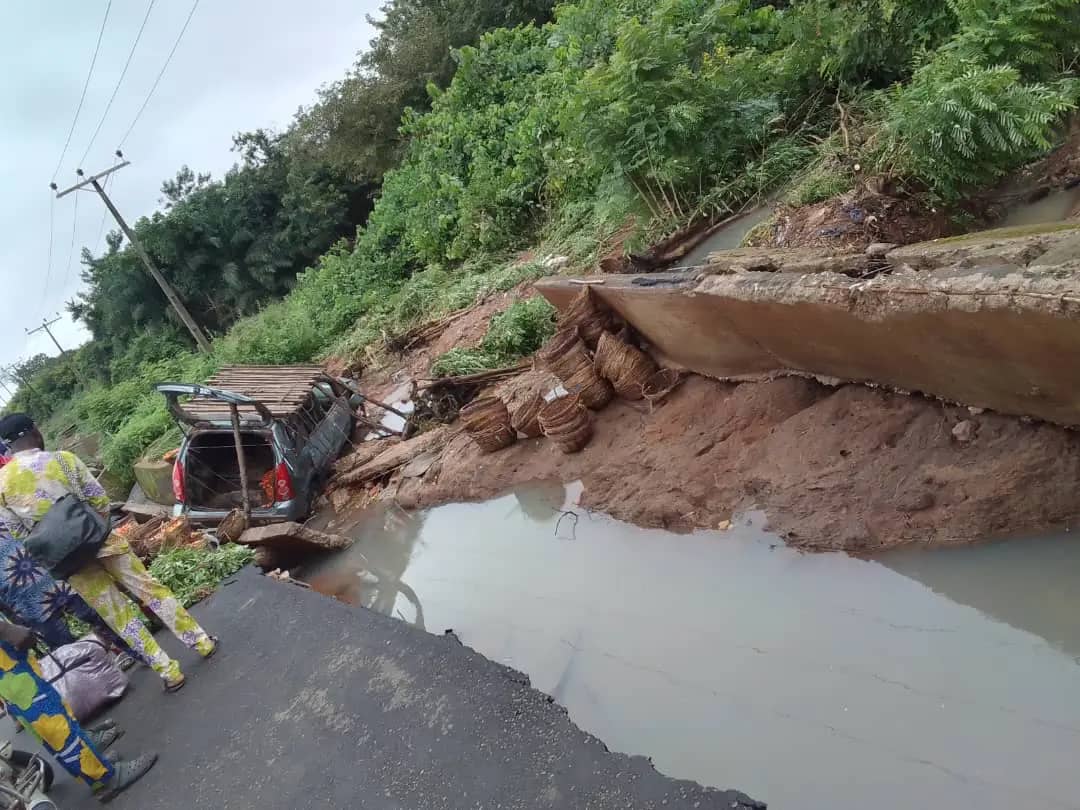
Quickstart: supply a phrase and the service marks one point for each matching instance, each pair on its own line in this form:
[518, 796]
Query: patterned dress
[30, 483]
[38, 707]
[31, 597]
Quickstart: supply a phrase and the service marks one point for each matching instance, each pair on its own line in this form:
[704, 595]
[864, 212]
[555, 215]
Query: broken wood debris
[474, 379]
[396, 456]
[364, 452]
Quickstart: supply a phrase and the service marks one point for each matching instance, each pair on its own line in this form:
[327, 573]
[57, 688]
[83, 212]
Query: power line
[168, 59]
[82, 98]
[49, 265]
[71, 250]
[119, 82]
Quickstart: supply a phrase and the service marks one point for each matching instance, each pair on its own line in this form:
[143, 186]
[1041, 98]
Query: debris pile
[282, 545]
[149, 539]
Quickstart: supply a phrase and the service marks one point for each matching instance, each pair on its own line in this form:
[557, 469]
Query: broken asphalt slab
[314, 704]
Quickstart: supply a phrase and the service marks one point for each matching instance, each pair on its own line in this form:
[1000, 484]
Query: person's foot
[101, 739]
[125, 774]
[175, 684]
[125, 661]
[209, 652]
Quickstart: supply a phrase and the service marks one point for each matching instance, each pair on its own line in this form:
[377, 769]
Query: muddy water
[728, 237]
[1054, 207]
[809, 681]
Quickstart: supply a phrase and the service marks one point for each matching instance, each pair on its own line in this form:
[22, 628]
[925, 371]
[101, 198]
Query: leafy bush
[959, 125]
[122, 449]
[513, 334]
[193, 573]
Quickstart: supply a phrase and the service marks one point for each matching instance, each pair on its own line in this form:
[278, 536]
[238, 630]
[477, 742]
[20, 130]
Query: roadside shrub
[121, 450]
[513, 334]
[959, 125]
[280, 333]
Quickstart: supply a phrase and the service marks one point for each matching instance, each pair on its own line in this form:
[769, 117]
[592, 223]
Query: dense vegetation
[451, 148]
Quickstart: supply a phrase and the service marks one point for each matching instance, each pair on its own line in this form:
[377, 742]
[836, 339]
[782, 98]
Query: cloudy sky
[242, 64]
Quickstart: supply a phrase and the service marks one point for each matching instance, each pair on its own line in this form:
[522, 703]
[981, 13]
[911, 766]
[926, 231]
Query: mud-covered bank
[848, 468]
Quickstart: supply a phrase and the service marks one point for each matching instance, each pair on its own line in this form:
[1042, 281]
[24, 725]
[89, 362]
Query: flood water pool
[920, 679]
[727, 238]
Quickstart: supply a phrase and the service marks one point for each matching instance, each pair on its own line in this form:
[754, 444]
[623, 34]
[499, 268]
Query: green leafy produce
[193, 574]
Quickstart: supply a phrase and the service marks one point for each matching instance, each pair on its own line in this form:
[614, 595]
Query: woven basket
[487, 421]
[590, 317]
[567, 423]
[595, 392]
[526, 418]
[627, 368]
[564, 354]
[660, 384]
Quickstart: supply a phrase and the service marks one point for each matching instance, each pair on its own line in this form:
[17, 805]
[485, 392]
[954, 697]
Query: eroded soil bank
[850, 468]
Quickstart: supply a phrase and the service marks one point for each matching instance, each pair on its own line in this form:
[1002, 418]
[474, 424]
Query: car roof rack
[283, 390]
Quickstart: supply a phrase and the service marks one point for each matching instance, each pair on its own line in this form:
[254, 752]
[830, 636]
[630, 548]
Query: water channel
[946, 678]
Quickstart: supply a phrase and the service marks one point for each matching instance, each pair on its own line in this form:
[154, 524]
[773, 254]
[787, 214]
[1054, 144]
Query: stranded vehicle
[294, 422]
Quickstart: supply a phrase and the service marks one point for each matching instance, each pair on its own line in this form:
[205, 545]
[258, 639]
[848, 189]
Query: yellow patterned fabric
[38, 707]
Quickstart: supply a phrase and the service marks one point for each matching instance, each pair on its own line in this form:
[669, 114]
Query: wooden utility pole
[177, 305]
[45, 326]
[12, 372]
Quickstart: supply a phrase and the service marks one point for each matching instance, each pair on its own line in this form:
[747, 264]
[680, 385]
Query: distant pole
[4, 385]
[45, 326]
[13, 372]
[177, 305]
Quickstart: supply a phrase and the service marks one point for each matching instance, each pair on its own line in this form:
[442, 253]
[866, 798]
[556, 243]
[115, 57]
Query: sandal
[214, 649]
[125, 661]
[175, 686]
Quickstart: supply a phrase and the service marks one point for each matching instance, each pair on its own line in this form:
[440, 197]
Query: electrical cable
[82, 98]
[74, 232]
[49, 264]
[168, 59]
[119, 82]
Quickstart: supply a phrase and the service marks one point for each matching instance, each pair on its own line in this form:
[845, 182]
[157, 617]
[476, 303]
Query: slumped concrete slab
[993, 326]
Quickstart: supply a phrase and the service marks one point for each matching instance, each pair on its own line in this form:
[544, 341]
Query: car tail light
[178, 480]
[283, 488]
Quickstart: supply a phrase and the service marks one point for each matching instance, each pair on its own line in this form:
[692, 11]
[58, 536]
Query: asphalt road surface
[314, 704]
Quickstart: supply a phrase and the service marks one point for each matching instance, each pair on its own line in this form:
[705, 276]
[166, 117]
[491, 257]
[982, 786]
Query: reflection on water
[809, 681]
[1032, 584]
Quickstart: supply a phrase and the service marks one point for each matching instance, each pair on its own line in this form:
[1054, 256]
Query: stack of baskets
[567, 422]
[488, 422]
[627, 368]
[526, 417]
[589, 318]
[567, 358]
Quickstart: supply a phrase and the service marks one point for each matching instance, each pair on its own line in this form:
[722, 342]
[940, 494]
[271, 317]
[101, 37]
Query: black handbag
[69, 535]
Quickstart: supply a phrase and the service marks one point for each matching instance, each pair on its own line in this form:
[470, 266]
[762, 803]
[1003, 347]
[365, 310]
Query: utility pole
[12, 372]
[45, 326]
[4, 385]
[178, 305]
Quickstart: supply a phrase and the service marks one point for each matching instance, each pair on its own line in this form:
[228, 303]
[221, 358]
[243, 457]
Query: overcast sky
[242, 64]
